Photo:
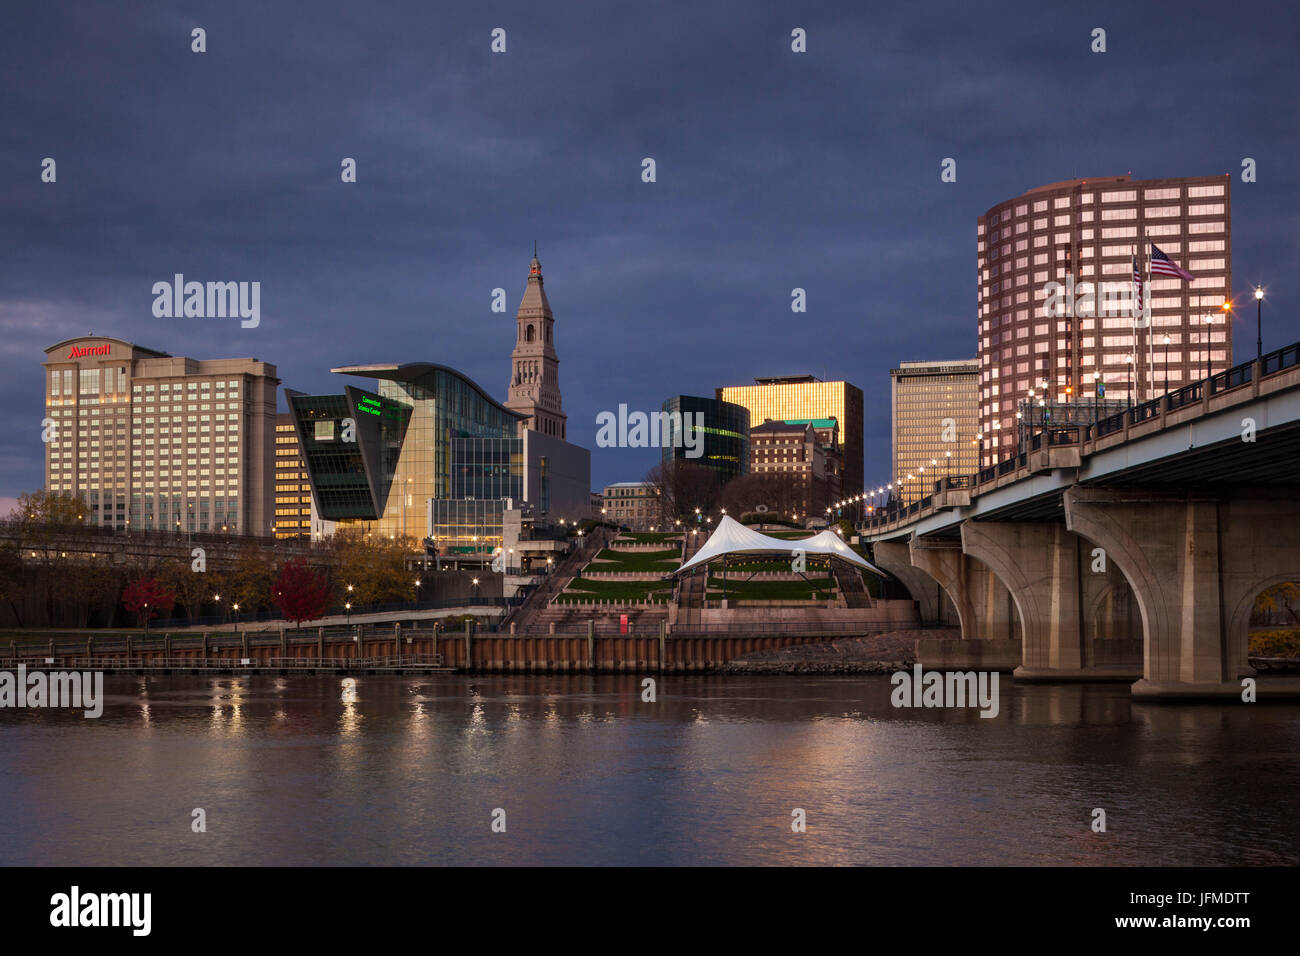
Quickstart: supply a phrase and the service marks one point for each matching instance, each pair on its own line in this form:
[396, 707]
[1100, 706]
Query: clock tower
[534, 367]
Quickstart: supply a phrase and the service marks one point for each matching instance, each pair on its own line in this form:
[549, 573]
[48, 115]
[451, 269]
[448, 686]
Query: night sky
[775, 170]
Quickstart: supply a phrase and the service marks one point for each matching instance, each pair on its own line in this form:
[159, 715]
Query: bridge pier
[1196, 563]
[990, 633]
[1040, 564]
[932, 603]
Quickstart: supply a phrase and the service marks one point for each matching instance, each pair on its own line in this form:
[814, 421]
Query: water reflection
[299, 771]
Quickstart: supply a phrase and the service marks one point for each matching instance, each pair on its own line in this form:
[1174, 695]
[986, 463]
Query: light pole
[1128, 360]
[1205, 343]
[1259, 322]
[1227, 324]
[1166, 364]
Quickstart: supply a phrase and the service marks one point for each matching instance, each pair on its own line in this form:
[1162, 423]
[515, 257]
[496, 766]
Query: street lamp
[1128, 360]
[1205, 344]
[348, 607]
[1259, 322]
[1227, 312]
[1166, 364]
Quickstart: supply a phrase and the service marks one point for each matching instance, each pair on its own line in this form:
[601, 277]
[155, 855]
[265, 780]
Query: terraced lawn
[663, 561]
[588, 589]
[650, 537]
[819, 589]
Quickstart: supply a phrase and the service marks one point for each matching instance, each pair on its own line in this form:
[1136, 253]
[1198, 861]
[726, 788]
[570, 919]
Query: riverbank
[874, 654]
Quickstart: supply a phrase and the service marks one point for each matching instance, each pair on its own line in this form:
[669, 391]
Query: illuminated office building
[1091, 228]
[805, 398]
[159, 442]
[292, 490]
[934, 421]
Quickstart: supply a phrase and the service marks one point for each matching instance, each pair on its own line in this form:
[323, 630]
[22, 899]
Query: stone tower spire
[534, 367]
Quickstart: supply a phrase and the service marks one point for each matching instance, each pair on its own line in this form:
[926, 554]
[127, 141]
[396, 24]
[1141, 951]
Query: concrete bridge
[1131, 548]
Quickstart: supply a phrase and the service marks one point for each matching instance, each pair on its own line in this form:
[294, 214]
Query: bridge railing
[1140, 413]
[1193, 393]
[1106, 426]
[1187, 395]
[1234, 377]
[1283, 358]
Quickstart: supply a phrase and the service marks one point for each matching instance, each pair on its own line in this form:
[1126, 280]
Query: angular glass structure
[400, 454]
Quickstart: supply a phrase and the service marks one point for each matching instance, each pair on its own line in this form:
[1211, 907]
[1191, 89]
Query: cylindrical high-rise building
[1092, 229]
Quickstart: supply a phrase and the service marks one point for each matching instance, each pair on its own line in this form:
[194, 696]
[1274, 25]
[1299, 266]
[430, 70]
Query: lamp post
[1166, 364]
[1128, 360]
[1227, 319]
[1259, 322]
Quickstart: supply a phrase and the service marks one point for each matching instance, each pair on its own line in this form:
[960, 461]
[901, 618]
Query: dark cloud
[775, 170]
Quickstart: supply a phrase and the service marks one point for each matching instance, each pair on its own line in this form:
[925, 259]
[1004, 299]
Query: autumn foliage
[147, 596]
[300, 593]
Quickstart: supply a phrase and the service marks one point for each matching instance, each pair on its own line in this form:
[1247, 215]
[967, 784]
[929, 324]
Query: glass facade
[403, 454]
[444, 406]
[487, 468]
[487, 474]
[725, 435]
[467, 525]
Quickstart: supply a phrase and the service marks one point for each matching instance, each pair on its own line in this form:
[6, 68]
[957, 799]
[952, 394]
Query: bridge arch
[1238, 618]
[933, 602]
[984, 607]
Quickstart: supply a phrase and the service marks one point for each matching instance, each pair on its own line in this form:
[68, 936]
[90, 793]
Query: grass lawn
[821, 589]
[650, 537]
[587, 589]
[663, 561]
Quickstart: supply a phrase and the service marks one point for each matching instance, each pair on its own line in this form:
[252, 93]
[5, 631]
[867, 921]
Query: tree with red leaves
[147, 596]
[300, 593]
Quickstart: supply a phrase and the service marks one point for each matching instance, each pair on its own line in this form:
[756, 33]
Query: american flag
[1137, 284]
[1161, 264]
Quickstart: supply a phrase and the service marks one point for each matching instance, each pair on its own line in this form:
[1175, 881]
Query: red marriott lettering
[80, 352]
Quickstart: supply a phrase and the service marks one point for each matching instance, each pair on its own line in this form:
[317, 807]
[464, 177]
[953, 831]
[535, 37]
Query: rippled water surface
[308, 770]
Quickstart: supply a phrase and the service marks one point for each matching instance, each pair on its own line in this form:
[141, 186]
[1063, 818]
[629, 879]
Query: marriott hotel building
[160, 442]
[1091, 228]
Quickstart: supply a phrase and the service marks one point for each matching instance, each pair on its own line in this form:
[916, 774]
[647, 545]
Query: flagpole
[1146, 307]
[1137, 319]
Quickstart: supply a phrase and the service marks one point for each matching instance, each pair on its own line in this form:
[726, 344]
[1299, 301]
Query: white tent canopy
[732, 537]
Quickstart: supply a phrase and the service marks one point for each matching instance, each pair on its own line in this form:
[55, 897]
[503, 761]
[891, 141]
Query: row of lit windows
[1109, 196]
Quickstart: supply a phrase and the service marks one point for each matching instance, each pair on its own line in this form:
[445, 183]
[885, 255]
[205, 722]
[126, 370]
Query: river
[378, 770]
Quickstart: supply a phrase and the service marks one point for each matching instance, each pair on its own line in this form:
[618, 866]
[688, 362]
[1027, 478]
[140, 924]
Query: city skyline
[408, 261]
